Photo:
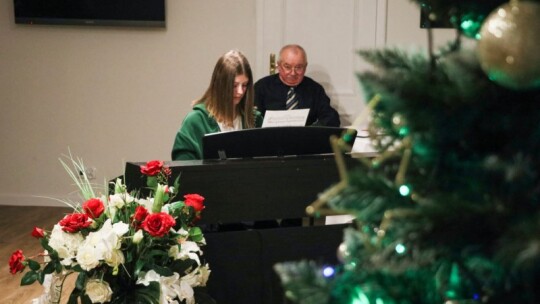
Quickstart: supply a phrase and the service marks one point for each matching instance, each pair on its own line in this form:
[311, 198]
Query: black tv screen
[149, 13]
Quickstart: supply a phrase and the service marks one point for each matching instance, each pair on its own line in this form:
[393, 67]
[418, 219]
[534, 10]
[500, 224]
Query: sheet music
[363, 143]
[338, 219]
[285, 118]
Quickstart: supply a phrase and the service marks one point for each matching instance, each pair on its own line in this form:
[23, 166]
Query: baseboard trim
[34, 200]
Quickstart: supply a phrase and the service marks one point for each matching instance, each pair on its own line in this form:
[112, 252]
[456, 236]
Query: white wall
[109, 94]
[403, 24]
[117, 94]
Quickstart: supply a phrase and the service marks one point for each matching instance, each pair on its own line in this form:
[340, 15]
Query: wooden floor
[16, 224]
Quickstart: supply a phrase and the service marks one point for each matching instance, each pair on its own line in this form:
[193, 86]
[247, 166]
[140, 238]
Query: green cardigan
[188, 141]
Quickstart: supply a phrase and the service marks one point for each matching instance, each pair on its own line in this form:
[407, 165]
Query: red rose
[158, 224]
[93, 207]
[38, 233]
[75, 222]
[152, 168]
[140, 214]
[195, 201]
[167, 171]
[16, 262]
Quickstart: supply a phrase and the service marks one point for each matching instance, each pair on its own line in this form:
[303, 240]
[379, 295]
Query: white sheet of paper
[338, 219]
[285, 118]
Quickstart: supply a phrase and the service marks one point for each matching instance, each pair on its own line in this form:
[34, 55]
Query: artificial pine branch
[467, 149]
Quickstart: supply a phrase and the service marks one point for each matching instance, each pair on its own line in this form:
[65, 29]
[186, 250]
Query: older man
[291, 89]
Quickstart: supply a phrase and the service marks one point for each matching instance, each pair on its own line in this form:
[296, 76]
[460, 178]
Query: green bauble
[509, 47]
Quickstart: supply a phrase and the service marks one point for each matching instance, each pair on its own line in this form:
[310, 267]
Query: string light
[328, 271]
[400, 248]
[404, 190]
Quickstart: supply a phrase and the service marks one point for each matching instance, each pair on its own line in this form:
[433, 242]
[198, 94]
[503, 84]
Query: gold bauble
[509, 47]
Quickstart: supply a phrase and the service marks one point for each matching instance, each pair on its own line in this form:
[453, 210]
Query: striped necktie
[292, 100]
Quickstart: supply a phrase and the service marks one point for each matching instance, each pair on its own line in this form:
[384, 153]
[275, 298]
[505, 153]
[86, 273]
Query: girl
[227, 105]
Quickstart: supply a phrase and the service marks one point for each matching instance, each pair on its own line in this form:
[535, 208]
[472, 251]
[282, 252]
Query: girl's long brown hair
[219, 95]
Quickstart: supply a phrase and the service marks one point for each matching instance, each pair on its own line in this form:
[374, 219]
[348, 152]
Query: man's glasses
[298, 69]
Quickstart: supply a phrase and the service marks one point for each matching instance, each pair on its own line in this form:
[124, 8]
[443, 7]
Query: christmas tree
[448, 211]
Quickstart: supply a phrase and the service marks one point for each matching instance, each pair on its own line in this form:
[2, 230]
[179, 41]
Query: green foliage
[473, 146]
[33, 265]
[29, 278]
[304, 283]
[196, 234]
[469, 230]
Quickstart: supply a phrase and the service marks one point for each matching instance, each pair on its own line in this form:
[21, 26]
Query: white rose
[88, 257]
[98, 291]
[138, 236]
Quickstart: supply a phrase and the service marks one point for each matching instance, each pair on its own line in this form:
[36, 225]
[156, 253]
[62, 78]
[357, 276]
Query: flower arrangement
[123, 248]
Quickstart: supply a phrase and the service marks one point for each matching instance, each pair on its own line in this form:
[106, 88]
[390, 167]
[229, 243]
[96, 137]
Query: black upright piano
[255, 217]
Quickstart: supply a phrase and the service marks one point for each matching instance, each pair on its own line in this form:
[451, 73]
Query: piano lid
[271, 142]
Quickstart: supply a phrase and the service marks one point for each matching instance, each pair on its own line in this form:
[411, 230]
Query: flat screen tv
[145, 13]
